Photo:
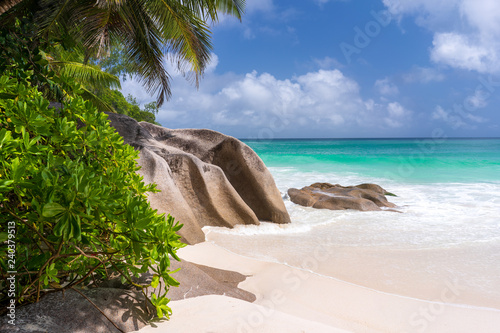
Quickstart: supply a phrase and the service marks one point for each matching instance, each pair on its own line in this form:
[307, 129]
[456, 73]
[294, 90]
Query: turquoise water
[405, 160]
[448, 229]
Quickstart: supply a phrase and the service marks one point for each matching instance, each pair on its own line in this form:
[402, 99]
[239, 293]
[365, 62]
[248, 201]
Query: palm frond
[98, 103]
[52, 13]
[210, 9]
[235, 8]
[87, 74]
[146, 28]
[188, 35]
[12, 9]
[5, 5]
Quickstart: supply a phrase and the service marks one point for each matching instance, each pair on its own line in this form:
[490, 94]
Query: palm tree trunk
[5, 5]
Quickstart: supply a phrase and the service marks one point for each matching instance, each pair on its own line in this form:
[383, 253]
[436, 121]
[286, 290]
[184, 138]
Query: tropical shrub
[129, 106]
[71, 202]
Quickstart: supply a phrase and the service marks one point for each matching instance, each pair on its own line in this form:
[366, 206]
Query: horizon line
[367, 138]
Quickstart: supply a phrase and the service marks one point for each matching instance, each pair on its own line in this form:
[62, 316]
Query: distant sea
[448, 232]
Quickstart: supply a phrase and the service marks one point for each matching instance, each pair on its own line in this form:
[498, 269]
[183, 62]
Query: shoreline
[459, 305]
[407, 272]
[290, 299]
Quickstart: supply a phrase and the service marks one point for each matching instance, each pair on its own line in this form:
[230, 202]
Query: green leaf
[60, 227]
[5, 185]
[155, 281]
[159, 312]
[38, 261]
[77, 229]
[52, 209]
[173, 282]
[137, 248]
[154, 253]
[7, 96]
[5, 136]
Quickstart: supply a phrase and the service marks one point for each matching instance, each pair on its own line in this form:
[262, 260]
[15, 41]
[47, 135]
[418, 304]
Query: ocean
[444, 246]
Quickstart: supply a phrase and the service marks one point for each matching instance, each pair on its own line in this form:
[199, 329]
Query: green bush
[69, 186]
[129, 106]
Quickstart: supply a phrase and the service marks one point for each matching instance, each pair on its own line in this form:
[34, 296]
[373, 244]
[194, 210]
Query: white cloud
[327, 63]
[484, 15]
[248, 33]
[386, 87]
[398, 115]
[465, 31]
[460, 51]
[259, 5]
[423, 75]
[396, 110]
[448, 117]
[440, 113]
[252, 8]
[456, 118]
[478, 100]
[324, 96]
[317, 102]
[322, 2]
[429, 13]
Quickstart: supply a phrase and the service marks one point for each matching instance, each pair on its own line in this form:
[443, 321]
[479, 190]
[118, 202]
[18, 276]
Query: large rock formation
[206, 178]
[364, 197]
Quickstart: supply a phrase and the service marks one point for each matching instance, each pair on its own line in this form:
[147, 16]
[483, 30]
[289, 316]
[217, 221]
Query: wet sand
[295, 300]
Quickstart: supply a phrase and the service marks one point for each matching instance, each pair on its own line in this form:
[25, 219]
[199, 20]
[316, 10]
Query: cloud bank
[465, 31]
[259, 105]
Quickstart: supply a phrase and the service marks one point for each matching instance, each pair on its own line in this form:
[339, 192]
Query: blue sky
[346, 69]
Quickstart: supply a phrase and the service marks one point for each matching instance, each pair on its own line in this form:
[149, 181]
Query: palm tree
[90, 77]
[146, 29]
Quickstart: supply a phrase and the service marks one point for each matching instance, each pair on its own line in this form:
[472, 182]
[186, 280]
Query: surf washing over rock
[205, 178]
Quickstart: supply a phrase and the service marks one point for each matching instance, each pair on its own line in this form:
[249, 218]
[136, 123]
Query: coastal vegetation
[73, 210]
[79, 209]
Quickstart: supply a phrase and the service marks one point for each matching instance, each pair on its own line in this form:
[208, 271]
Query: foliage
[70, 185]
[145, 29]
[24, 58]
[116, 63]
[57, 68]
[70, 63]
[50, 67]
[129, 106]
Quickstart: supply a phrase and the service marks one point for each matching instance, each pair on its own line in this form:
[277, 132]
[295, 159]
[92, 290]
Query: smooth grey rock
[364, 197]
[72, 313]
[206, 178]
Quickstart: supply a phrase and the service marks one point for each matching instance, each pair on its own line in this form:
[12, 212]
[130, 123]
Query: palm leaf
[188, 35]
[87, 74]
[146, 28]
[52, 13]
[99, 103]
[210, 9]
[12, 9]
[5, 5]
[235, 8]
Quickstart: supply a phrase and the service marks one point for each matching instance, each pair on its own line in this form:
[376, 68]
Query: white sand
[293, 300]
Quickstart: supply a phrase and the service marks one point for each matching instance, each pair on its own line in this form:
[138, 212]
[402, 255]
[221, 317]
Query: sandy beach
[295, 300]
